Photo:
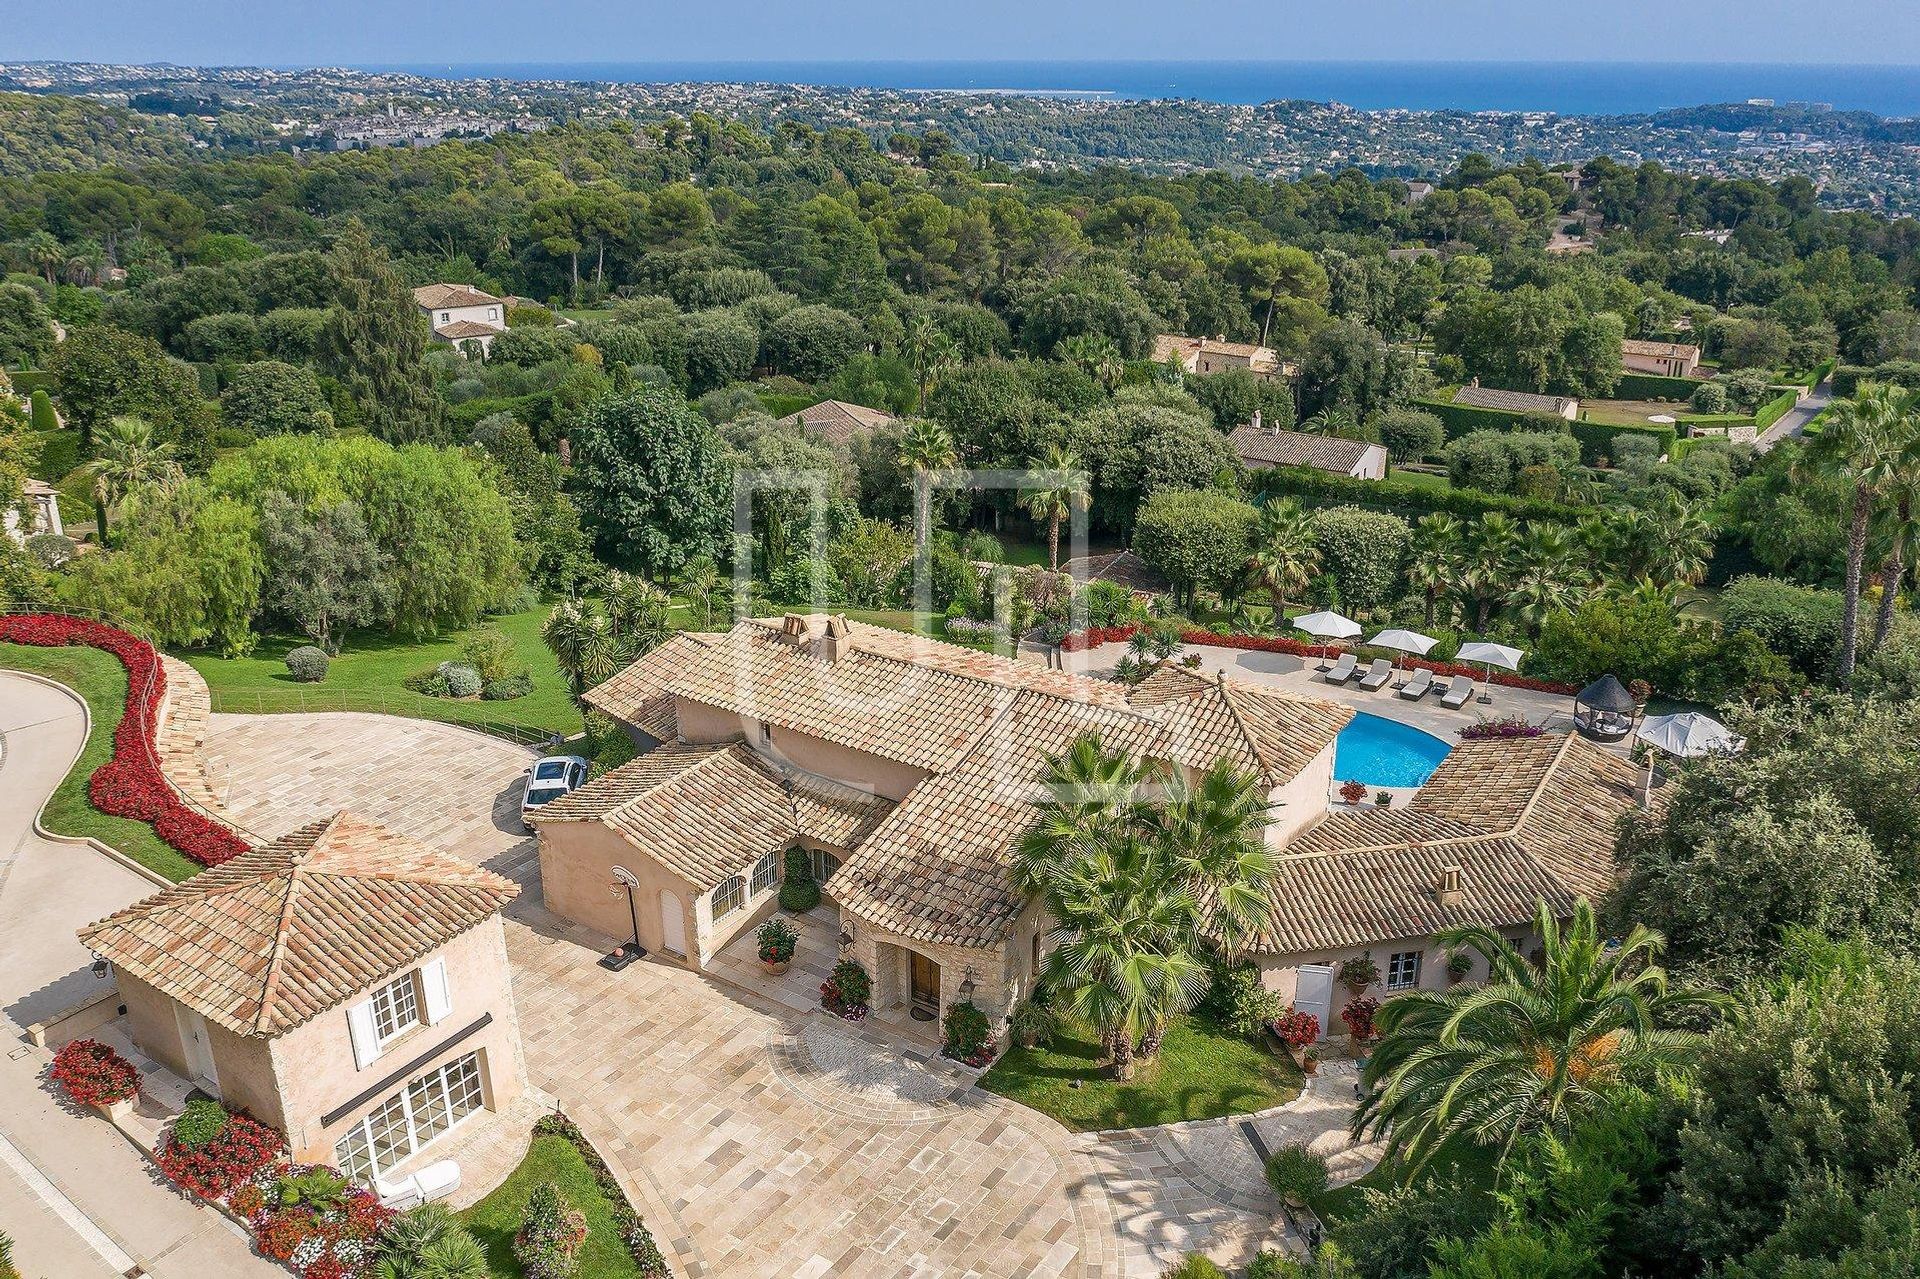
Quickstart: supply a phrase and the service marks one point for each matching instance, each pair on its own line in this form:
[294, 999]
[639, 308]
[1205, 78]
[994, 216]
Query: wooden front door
[923, 987]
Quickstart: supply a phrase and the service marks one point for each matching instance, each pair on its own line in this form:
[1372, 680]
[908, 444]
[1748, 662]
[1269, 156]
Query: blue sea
[1568, 88]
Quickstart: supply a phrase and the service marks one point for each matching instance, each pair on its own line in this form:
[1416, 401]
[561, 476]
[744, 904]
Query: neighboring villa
[907, 768]
[42, 502]
[1473, 395]
[344, 984]
[1216, 355]
[462, 313]
[837, 422]
[1663, 359]
[1259, 446]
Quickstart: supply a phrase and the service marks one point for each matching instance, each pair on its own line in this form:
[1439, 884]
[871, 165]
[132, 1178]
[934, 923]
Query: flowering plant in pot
[1359, 972]
[93, 1074]
[1352, 792]
[1310, 1061]
[1298, 1031]
[846, 991]
[777, 940]
[1359, 1014]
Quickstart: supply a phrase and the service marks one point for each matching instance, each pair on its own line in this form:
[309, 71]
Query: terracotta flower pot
[776, 966]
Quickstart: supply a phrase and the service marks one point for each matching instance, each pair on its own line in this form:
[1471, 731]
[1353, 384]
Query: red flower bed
[94, 1074]
[1092, 636]
[130, 783]
[223, 1165]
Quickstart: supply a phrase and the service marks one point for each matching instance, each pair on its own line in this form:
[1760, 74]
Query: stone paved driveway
[757, 1138]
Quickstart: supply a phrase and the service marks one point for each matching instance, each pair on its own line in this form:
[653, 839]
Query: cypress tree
[375, 342]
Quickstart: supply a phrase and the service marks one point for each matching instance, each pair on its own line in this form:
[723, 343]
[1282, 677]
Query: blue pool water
[1385, 752]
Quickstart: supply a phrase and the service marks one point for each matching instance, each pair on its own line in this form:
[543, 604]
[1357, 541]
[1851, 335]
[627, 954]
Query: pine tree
[375, 342]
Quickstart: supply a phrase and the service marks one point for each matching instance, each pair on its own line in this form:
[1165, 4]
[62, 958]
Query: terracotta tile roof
[1488, 397]
[445, 297]
[38, 488]
[461, 330]
[1671, 350]
[1522, 820]
[1271, 734]
[1257, 447]
[936, 869]
[706, 812]
[638, 695]
[918, 701]
[837, 421]
[294, 928]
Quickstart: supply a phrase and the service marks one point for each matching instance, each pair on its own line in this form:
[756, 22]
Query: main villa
[907, 768]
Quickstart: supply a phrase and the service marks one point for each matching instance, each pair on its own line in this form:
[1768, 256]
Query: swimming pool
[1384, 752]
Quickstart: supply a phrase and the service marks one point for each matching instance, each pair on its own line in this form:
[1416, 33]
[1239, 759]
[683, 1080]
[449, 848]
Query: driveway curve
[77, 1197]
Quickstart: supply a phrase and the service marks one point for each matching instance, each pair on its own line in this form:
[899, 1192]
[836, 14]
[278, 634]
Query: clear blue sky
[319, 32]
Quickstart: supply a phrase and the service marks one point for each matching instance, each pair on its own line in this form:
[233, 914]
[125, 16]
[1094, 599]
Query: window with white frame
[425, 1109]
[1403, 970]
[729, 897]
[493, 313]
[396, 1008]
[445, 316]
[766, 873]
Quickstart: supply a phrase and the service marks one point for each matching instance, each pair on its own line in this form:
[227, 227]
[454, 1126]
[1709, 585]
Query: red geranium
[222, 1165]
[130, 784]
[1296, 1029]
[93, 1074]
[1359, 1015]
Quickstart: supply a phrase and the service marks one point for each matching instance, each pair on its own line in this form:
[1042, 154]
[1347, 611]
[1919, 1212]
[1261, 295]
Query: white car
[548, 780]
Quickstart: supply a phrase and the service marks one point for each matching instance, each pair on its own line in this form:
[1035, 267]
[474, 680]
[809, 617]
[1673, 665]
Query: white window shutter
[366, 1044]
[433, 985]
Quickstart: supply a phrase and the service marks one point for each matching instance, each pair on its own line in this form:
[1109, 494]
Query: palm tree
[1490, 549]
[699, 578]
[1062, 490]
[127, 459]
[925, 447]
[1435, 558]
[1533, 1049]
[637, 614]
[1899, 524]
[1285, 553]
[1215, 832]
[581, 640]
[1864, 439]
[1546, 574]
[1095, 353]
[933, 353]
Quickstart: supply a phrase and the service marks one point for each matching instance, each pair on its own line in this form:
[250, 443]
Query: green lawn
[1202, 1072]
[99, 678]
[1427, 479]
[495, 1219]
[368, 673]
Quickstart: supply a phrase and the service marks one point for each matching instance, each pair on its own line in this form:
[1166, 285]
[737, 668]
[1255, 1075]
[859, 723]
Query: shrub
[93, 1074]
[1196, 1266]
[51, 550]
[428, 683]
[43, 417]
[1801, 623]
[799, 893]
[1410, 434]
[1297, 1029]
[307, 664]
[202, 1121]
[1195, 539]
[777, 941]
[1278, 1265]
[1709, 397]
[550, 1235]
[846, 991]
[1362, 549]
[1296, 1173]
[490, 653]
[1033, 1023]
[1359, 1014]
[969, 1035]
[462, 680]
[1236, 999]
[518, 684]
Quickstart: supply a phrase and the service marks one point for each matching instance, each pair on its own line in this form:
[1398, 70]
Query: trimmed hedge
[1319, 488]
[1654, 386]
[1596, 438]
[1459, 419]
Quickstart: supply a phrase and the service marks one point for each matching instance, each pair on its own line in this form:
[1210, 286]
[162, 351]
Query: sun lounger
[1377, 674]
[1416, 688]
[1458, 692]
[1343, 670]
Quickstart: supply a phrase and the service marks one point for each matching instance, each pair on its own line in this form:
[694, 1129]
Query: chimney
[1475, 382]
[1256, 419]
[793, 628]
[839, 641]
[1450, 894]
